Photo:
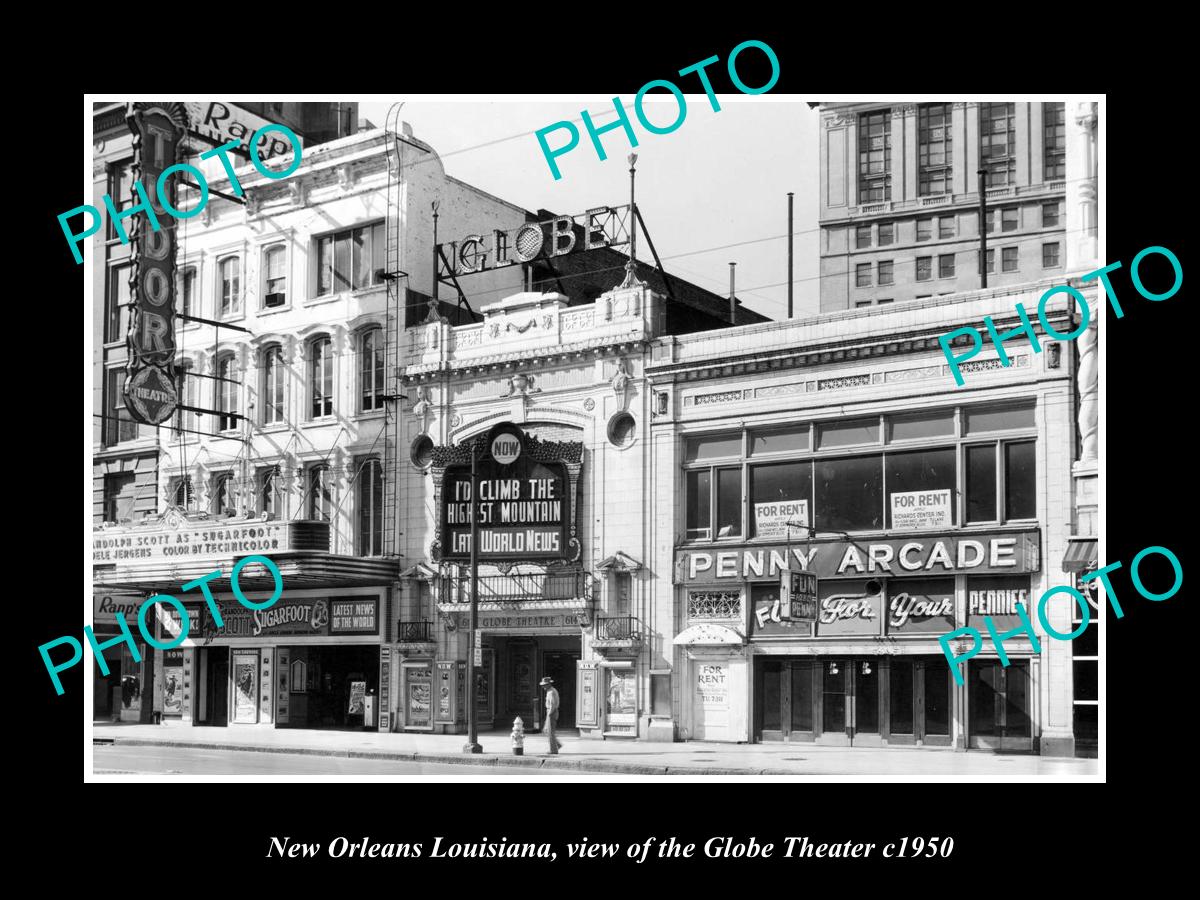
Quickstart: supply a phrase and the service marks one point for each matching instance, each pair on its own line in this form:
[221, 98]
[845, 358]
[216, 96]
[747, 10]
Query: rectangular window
[862, 236]
[270, 492]
[924, 268]
[991, 260]
[981, 483]
[886, 272]
[922, 470]
[1009, 218]
[849, 493]
[939, 423]
[937, 696]
[1054, 129]
[187, 291]
[716, 447]
[119, 296]
[119, 426]
[862, 304]
[120, 189]
[791, 440]
[935, 156]
[729, 503]
[771, 487]
[1008, 259]
[227, 394]
[660, 693]
[275, 276]
[1020, 481]
[230, 285]
[946, 265]
[119, 494]
[887, 234]
[1049, 255]
[848, 434]
[699, 505]
[273, 387]
[224, 499]
[370, 370]
[1050, 215]
[370, 508]
[320, 493]
[321, 378]
[924, 229]
[990, 222]
[985, 419]
[862, 275]
[946, 227]
[875, 156]
[182, 493]
[349, 259]
[883, 300]
[998, 143]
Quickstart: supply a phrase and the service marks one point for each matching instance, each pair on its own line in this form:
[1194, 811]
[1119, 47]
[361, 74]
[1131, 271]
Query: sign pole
[472, 744]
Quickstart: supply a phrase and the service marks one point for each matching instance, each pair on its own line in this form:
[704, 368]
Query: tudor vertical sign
[524, 504]
[150, 394]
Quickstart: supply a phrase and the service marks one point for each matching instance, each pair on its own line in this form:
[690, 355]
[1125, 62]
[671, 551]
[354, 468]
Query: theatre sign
[526, 502]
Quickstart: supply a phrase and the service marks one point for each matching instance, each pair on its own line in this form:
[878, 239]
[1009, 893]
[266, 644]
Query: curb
[582, 763]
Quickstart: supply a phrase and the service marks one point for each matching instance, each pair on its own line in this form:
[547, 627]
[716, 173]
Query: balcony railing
[617, 630]
[514, 588]
[413, 632]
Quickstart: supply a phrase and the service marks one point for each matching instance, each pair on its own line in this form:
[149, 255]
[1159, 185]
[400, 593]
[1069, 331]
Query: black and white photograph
[692, 435]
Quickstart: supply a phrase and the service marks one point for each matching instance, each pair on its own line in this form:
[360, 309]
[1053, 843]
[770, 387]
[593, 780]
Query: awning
[708, 635]
[1080, 556]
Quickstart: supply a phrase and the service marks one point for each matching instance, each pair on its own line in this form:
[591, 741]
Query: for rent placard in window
[921, 509]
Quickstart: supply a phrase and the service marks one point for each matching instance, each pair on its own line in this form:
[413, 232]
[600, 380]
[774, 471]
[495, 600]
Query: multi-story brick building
[899, 198]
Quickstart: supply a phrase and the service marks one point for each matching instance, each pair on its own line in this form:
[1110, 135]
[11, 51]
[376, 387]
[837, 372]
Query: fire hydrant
[518, 737]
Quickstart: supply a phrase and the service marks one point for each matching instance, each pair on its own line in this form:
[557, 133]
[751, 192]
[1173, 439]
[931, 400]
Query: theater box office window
[903, 518]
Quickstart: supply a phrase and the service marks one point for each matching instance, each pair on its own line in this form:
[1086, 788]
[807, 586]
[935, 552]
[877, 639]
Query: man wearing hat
[551, 711]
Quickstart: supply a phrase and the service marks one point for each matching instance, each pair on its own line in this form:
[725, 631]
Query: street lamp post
[472, 744]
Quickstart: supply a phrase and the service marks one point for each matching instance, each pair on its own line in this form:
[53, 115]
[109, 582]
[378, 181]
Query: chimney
[732, 296]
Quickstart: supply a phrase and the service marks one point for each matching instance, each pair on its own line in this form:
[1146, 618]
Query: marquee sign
[150, 394]
[525, 506]
[604, 226]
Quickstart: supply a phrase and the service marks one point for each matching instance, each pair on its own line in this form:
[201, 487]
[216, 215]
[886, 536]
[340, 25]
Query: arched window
[224, 499]
[320, 493]
[274, 276]
[270, 493]
[230, 286]
[227, 394]
[370, 370]
[182, 494]
[272, 385]
[370, 508]
[321, 377]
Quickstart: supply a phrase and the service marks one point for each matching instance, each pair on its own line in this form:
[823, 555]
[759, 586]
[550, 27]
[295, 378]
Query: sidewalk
[627, 757]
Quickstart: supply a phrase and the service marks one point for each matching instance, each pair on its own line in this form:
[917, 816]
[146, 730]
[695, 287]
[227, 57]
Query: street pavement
[171, 760]
[684, 759]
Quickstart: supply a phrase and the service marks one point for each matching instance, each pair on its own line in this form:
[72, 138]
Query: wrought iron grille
[715, 605]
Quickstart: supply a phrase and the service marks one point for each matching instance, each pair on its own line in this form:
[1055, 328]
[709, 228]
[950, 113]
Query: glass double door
[854, 701]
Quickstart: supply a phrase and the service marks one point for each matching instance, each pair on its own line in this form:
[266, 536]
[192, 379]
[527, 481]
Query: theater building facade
[841, 447]
[564, 590]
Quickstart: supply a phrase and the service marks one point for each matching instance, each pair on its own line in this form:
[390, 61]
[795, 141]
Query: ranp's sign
[604, 226]
[219, 123]
[524, 505]
[975, 553]
[150, 394]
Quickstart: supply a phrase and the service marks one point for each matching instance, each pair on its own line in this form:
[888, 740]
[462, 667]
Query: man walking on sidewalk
[551, 712]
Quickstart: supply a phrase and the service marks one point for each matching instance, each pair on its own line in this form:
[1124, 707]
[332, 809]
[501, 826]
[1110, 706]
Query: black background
[1003, 832]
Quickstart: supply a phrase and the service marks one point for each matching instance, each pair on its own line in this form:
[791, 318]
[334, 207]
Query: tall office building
[899, 204]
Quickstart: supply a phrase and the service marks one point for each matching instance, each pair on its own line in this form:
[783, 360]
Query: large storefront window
[921, 486]
[779, 494]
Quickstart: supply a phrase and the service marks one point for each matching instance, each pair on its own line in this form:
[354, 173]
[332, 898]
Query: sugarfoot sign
[524, 504]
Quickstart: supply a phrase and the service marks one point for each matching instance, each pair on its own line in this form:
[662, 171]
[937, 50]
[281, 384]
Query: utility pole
[472, 744]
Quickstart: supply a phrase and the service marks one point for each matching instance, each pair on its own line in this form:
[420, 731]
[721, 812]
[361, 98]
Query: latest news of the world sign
[524, 504]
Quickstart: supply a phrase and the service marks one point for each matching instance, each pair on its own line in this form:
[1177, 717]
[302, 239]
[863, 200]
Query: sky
[720, 178]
